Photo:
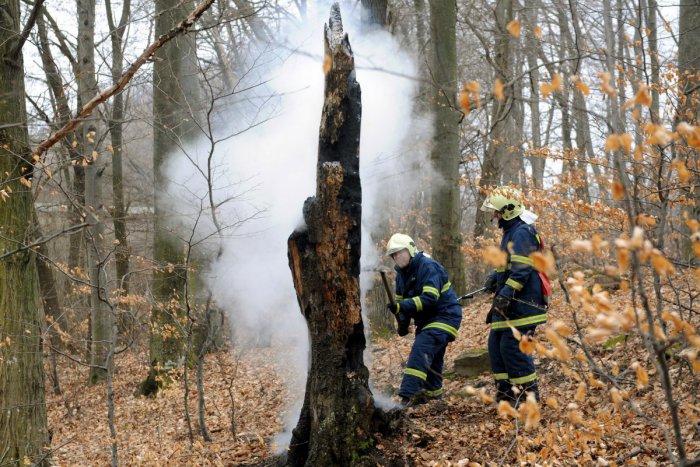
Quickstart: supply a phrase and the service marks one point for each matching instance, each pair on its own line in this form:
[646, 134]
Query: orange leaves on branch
[537, 31]
[583, 87]
[618, 190]
[498, 90]
[469, 96]
[605, 84]
[561, 350]
[642, 96]
[662, 265]
[657, 135]
[683, 172]
[514, 28]
[621, 141]
[25, 182]
[494, 256]
[556, 85]
[527, 344]
[691, 134]
[645, 220]
[544, 262]
[505, 410]
[327, 62]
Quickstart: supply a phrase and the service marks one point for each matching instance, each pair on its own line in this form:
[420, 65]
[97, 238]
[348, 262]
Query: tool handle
[471, 294]
[389, 294]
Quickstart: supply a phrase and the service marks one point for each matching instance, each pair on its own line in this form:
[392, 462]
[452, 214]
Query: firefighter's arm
[431, 287]
[521, 265]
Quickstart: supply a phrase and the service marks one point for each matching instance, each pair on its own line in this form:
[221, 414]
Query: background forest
[155, 157]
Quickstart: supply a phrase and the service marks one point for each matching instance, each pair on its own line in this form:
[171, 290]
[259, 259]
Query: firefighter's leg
[433, 384]
[425, 347]
[504, 392]
[520, 367]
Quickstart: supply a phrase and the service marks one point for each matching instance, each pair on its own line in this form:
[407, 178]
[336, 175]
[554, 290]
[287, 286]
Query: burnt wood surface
[335, 424]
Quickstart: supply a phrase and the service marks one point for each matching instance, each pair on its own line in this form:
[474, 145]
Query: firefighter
[519, 299]
[424, 294]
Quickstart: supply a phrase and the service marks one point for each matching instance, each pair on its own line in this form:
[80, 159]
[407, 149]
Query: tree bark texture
[23, 425]
[174, 100]
[689, 67]
[116, 131]
[334, 425]
[375, 12]
[446, 213]
[501, 120]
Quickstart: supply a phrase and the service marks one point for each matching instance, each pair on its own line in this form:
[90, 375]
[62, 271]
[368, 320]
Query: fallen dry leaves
[459, 430]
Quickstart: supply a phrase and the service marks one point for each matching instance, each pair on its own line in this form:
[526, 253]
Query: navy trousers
[510, 366]
[425, 362]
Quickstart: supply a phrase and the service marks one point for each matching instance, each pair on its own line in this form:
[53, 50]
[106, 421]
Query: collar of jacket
[412, 264]
[511, 224]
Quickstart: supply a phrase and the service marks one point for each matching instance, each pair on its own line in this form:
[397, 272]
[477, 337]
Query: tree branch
[123, 80]
[17, 49]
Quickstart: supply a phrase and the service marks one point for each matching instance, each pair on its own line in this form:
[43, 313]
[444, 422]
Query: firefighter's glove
[489, 317]
[403, 324]
[500, 305]
[491, 283]
[393, 308]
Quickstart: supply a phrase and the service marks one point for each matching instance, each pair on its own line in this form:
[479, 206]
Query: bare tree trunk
[100, 317]
[115, 126]
[174, 100]
[689, 111]
[23, 426]
[335, 421]
[446, 212]
[498, 143]
[537, 162]
[375, 12]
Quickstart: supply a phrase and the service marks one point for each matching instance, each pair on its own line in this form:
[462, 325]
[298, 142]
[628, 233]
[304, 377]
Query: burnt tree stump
[335, 425]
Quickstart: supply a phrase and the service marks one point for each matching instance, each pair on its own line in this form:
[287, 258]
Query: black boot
[504, 392]
[529, 387]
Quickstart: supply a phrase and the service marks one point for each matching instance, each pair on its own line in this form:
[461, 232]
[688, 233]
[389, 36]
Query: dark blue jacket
[424, 293]
[519, 281]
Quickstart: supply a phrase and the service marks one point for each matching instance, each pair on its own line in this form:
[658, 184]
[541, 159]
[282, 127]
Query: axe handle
[389, 294]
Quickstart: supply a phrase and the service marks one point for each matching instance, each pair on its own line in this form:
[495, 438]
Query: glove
[393, 308]
[500, 305]
[491, 283]
[403, 324]
[489, 317]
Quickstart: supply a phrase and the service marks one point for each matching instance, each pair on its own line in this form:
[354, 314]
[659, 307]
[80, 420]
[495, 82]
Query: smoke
[263, 175]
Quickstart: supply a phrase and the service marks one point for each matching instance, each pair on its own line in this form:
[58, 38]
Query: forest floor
[246, 396]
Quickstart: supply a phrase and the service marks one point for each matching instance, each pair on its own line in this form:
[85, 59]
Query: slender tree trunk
[537, 162]
[446, 212]
[689, 111]
[100, 317]
[335, 421]
[174, 112]
[23, 425]
[115, 123]
[495, 156]
[375, 12]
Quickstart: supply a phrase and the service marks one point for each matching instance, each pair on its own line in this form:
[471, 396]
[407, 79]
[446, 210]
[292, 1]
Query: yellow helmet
[398, 242]
[506, 200]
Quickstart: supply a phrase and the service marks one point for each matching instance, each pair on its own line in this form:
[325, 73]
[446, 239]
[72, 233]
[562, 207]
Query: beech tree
[23, 426]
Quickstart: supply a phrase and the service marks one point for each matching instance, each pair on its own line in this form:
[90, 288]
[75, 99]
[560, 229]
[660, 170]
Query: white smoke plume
[267, 171]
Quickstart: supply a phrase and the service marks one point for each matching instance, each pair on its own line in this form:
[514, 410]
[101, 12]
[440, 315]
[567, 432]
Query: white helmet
[398, 242]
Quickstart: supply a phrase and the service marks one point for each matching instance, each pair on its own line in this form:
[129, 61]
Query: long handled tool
[389, 294]
[471, 294]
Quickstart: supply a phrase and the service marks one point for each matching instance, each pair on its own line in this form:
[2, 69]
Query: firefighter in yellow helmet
[424, 294]
[519, 299]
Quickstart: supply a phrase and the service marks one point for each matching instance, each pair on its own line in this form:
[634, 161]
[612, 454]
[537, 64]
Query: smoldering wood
[336, 420]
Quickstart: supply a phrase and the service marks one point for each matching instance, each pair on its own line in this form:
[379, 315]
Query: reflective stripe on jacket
[424, 293]
[519, 280]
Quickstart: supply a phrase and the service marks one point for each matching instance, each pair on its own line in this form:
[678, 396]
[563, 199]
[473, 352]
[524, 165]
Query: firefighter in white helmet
[424, 294]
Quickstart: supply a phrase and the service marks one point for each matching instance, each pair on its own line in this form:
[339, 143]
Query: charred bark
[335, 424]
